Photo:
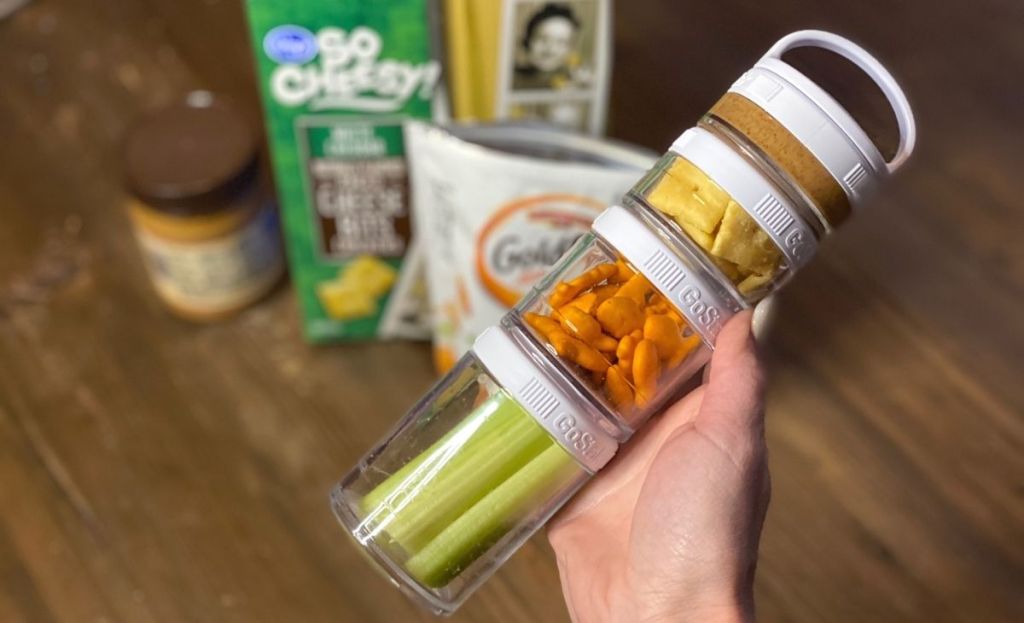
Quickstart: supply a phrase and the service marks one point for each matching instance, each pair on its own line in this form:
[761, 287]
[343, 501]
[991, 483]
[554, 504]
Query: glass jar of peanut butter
[203, 217]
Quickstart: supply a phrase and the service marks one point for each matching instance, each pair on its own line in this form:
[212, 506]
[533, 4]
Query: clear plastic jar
[610, 335]
[540, 404]
[611, 330]
[753, 230]
[461, 482]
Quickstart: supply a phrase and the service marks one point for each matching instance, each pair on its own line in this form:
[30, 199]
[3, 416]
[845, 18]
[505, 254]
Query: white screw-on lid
[705, 303]
[776, 214]
[819, 122]
[561, 416]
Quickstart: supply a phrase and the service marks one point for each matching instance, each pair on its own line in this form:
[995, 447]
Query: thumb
[732, 412]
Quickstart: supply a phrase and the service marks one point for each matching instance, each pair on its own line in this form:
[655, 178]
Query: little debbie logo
[290, 44]
[349, 74]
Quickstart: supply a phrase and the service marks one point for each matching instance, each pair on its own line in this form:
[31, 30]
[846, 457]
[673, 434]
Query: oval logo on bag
[526, 237]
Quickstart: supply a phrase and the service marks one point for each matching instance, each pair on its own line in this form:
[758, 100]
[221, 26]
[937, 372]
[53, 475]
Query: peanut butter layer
[788, 152]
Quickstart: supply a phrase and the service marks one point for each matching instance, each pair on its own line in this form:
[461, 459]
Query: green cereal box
[338, 77]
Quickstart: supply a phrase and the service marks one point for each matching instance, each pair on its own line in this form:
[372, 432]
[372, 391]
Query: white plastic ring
[755, 194]
[581, 436]
[705, 304]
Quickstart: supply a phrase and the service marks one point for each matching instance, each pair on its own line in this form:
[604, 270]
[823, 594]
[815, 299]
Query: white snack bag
[495, 206]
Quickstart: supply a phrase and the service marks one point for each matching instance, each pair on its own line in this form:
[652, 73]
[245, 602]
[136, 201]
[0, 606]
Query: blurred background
[154, 468]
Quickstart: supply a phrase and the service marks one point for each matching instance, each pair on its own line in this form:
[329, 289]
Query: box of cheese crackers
[337, 80]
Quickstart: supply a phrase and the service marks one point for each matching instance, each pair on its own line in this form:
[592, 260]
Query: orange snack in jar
[646, 369]
[605, 292]
[598, 321]
[618, 389]
[542, 324]
[594, 276]
[568, 290]
[664, 332]
[577, 351]
[579, 324]
[627, 345]
[637, 289]
[605, 343]
[561, 295]
[623, 272]
[584, 302]
[686, 347]
[620, 316]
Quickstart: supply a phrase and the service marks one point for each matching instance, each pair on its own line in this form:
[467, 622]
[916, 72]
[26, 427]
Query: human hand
[669, 530]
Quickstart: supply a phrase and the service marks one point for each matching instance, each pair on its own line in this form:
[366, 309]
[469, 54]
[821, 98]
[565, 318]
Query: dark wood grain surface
[152, 470]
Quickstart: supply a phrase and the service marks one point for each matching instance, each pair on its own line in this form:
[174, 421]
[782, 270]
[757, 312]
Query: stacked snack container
[614, 331]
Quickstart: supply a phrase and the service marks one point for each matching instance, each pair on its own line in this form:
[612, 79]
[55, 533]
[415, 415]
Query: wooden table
[151, 470]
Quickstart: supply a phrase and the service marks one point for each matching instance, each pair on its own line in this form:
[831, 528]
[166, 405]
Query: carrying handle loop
[869, 65]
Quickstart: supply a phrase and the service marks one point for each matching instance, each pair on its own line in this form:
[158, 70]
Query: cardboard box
[337, 80]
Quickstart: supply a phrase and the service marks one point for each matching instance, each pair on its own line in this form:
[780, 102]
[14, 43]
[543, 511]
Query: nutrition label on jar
[218, 274]
[359, 188]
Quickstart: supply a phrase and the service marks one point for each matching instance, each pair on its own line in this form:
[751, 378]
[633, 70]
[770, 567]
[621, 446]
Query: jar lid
[562, 417]
[678, 274]
[819, 144]
[192, 157]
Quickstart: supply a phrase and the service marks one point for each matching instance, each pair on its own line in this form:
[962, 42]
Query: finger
[623, 476]
[732, 411]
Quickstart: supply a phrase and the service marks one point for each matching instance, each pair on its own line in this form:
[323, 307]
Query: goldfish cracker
[646, 369]
[625, 368]
[542, 324]
[579, 324]
[578, 352]
[624, 356]
[624, 352]
[623, 272]
[568, 290]
[586, 302]
[605, 343]
[637, 289]
[674, 314]
[664, 332]
[618, 389]
[561, 295]
[605, 292]
[659, 308]
[620, 316]
[594, 276]
[686, 346]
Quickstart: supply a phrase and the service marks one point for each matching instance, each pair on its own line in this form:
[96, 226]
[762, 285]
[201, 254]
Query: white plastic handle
[870, 65]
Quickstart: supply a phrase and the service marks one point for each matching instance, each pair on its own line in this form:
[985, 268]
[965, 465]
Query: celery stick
[487, 418]
[488, 520]
[471, 474]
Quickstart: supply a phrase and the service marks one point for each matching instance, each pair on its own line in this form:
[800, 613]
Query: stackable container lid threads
[807, 134]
